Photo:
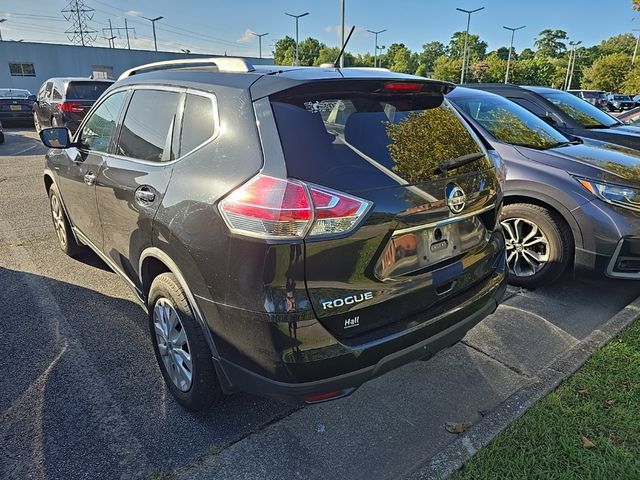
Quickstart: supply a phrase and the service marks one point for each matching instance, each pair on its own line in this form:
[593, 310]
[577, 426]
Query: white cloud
[246, 37]
[134, 13]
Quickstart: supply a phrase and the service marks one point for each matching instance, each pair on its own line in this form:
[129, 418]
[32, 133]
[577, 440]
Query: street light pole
[297, 60]
[573, 65]
[153, 24]
[342, 32]
[513, 32]
[259, 35]
[375, 50]
[635, 50]
[466, 36]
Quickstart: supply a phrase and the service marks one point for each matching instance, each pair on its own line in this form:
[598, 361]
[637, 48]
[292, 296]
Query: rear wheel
[180, 346]
[61, 225]
[539, 246]
[36, 123]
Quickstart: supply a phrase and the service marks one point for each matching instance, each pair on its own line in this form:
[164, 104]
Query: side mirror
[57, 137]
[33, 98]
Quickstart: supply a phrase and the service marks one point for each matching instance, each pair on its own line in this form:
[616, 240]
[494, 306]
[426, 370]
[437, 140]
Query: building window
[22, 69]
[101, 71]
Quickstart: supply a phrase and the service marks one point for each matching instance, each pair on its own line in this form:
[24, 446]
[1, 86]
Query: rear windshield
[86, 90]
[621, 97]
[591, 94]
[582, 112]
[354, 139]
[11, 93]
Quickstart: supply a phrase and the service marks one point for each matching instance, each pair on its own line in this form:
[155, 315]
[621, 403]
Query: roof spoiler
[224, 64]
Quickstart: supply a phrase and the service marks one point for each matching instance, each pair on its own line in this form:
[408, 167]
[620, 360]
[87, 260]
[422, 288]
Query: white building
[27, 65]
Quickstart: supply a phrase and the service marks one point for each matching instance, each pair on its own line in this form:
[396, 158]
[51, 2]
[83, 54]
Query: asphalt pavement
[81, 396]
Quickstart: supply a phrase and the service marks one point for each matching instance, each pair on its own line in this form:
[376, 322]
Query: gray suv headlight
[616, 194]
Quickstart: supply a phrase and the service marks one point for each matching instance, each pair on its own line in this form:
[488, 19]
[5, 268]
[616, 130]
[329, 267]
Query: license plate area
[15, 108]
[439, 244]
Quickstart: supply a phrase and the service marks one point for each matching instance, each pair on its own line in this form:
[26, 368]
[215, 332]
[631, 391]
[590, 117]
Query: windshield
[592, 94]
[86, 90]
[621, 97]
[11, 93]
[509, 122]
[582, 112]
[359, 136]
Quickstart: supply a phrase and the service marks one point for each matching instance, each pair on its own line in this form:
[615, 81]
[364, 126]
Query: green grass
[600, 402]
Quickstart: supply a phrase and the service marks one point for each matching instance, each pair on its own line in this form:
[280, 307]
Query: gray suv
[292, 232]
[568, 202]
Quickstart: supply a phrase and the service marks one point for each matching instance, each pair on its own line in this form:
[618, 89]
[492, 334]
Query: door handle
[144, 195]
[90, 178]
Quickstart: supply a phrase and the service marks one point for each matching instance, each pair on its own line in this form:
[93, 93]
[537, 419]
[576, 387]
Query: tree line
[606, 66]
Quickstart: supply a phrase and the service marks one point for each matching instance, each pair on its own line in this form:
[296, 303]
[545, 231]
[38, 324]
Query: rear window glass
[86, 90]
[352, 139]
[197, 124]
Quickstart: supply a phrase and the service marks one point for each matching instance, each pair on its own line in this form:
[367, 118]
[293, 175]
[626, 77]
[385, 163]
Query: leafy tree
[363, 60]
[636, 4]
[329, 55]
[608, 73]
[551, 43]
[526, 54]
[533, 71]
[491, 69]
[447, 69]
[309, 50]
[631, 84]
[430, 52]
[401, 60]
[624, 43]
[284, 53]
[421, 71]
[476, 47]
[503, 53]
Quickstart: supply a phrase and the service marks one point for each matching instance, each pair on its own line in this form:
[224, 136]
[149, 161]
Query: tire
[185, 363]
[1, 137]
[548, 248]
[36, 124]
[62, 227]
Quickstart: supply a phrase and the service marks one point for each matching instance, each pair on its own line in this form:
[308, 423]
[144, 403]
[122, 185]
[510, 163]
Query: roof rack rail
[224, 64]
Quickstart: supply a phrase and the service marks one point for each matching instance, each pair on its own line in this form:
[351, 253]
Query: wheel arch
[551, 204]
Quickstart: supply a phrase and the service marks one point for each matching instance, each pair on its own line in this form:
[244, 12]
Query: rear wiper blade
[458, 162]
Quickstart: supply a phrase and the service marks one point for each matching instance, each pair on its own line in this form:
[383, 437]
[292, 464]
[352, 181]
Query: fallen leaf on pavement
[586, 443]
[608, 403]
[457, 427]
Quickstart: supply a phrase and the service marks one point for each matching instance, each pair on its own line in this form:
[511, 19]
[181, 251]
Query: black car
[566, 203]
[597, 98]
[16, 106]
[292, 232]
[568, 113]
[63, 102]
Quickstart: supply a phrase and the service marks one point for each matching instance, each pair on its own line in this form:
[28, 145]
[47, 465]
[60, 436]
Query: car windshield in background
[591, 94]
[403, 136]
[510, 123]
[622, 97]
[86, 90]
[582, 112]
[11, 93]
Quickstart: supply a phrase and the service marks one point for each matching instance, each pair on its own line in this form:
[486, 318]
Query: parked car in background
[597, 98]
[16, 106]
[567, 203]
[568, 113]
[630, 117]
[636, 99]
[342, 223]
[63, 102]
[618, 103]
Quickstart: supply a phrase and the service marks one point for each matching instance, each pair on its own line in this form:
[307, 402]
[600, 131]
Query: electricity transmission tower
[78, 14]
[117, 30]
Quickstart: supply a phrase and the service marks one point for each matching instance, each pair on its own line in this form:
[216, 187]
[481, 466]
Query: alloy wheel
[173, 344]
[57, 214]
[527, 247]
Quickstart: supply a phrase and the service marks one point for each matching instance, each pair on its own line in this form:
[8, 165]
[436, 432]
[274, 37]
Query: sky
[225, 26]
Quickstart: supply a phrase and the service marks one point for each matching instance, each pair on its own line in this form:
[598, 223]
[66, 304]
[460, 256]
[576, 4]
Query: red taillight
[322, 397]
[403, 87]
[270, 207]
[73, 107]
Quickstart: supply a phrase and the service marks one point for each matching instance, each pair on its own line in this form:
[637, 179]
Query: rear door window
[86, 90]
[353, 139]
[198, 123]
[148, 126]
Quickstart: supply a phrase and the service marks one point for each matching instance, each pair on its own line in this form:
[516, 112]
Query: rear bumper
[22, 116]
[394, 352]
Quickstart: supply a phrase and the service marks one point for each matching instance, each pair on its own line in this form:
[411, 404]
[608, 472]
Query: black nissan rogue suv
[292, 232]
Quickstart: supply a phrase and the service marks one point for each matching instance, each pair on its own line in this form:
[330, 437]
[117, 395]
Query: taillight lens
[73, 107]
[275, 208]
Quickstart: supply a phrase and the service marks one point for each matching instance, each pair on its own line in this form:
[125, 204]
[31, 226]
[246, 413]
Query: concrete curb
[453, 456]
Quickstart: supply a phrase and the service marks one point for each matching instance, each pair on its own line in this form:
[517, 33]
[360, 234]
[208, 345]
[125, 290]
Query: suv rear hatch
[426, 238]
[80, 97]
